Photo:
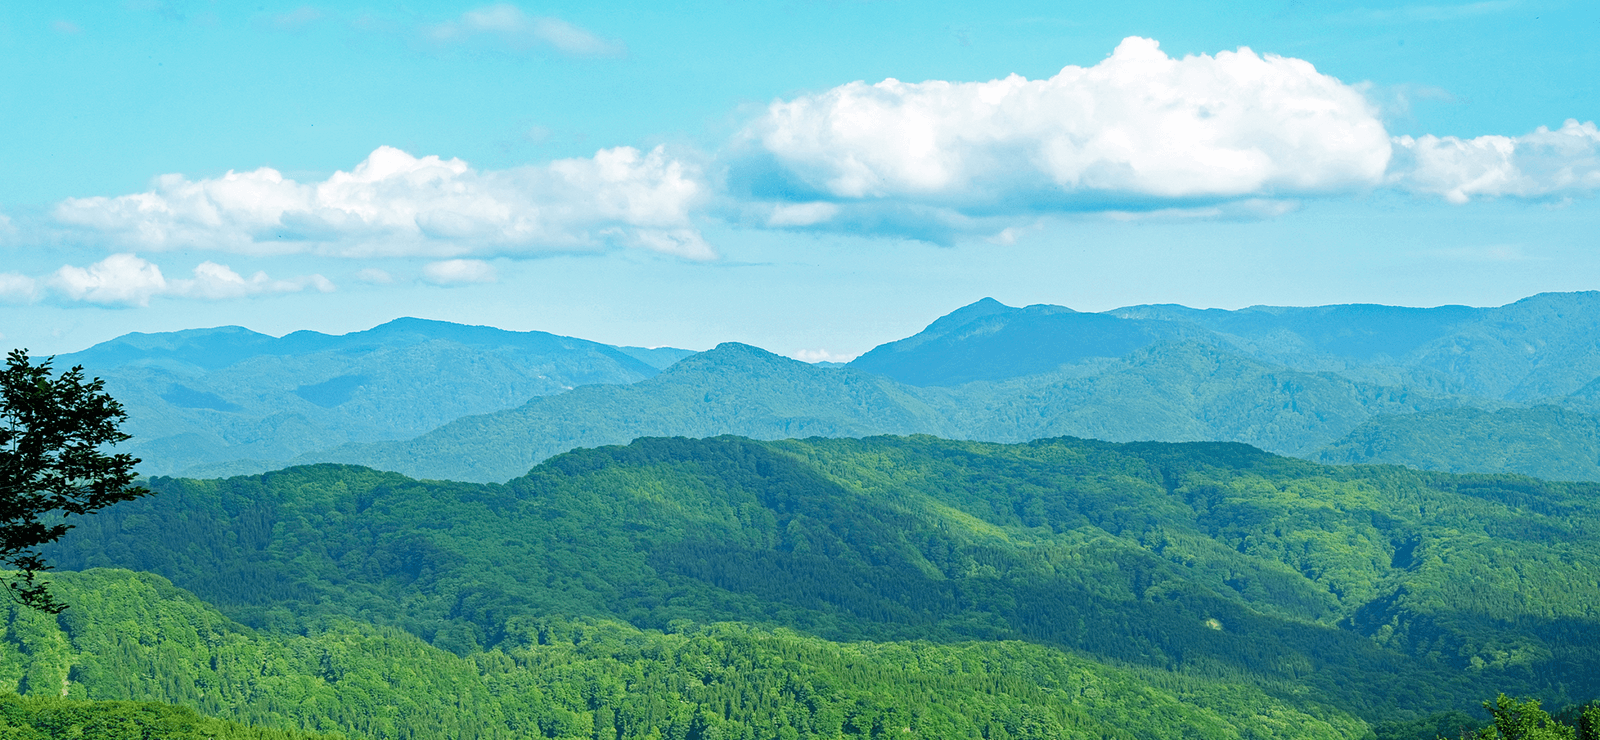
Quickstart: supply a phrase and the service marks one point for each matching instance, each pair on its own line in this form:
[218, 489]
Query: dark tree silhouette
[53, 433]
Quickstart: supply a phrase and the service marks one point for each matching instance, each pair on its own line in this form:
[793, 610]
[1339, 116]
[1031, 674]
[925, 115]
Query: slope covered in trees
[1369, 589]
[134, 635]
[47, 718]
[1544, 441]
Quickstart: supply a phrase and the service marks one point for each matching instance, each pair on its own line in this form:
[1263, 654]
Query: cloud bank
[1541, 164]
[127, 280]
[1139, 136]
[395, 204]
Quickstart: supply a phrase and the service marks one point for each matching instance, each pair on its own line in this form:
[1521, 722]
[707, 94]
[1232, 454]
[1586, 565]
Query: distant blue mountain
[435, 399]
[1543, 346]
[1168, 391]
[216, 397]
[990, 341]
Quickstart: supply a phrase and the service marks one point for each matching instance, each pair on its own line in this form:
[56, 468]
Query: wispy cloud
[1428, 13]
[459, 272]
[519, 31]
[17, 288]
[297, 19]
[375, 276]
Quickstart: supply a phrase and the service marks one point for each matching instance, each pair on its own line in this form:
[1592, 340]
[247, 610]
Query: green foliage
[135, 636]
[52, 465]
[48, 718]
[1376, 590]
[1450, 725]
[1522, 720]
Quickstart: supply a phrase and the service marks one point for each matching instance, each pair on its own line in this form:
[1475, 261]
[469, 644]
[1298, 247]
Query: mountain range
[437, 400]
[211, 399]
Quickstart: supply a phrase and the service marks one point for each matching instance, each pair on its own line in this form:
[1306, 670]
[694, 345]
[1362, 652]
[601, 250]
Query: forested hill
[1375, 591]
[1173, 392]
[229, 398]
[131, 634]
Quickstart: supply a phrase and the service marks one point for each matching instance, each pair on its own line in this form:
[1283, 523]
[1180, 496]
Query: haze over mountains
[200, 398]
[1333, 383]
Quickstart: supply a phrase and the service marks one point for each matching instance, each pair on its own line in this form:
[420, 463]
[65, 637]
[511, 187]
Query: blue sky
[810, 177]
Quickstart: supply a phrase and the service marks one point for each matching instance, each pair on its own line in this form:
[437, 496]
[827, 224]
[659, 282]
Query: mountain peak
[966, 315]
[730, 354]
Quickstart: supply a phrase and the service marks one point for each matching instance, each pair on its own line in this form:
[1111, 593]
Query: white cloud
[520, 31]
[802, 214]
[457, 272]
[1544, 163]
[119, 279]
[1140, 130]
[127, 280]
[214, 281]
[375, 276]
[396, 204]
[17, 288]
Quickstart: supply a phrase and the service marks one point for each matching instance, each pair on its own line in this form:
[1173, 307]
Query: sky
[812, 177]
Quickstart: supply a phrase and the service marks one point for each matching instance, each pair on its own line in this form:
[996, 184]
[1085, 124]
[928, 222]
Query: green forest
[888, 586]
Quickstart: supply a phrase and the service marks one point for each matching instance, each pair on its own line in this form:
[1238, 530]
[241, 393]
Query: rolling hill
[1373, 591]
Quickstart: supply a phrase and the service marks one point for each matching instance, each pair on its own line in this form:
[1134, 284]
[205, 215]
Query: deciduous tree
[54, 431]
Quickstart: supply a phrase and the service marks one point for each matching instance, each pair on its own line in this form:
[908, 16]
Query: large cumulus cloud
[1139, 130]
[395, 204]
